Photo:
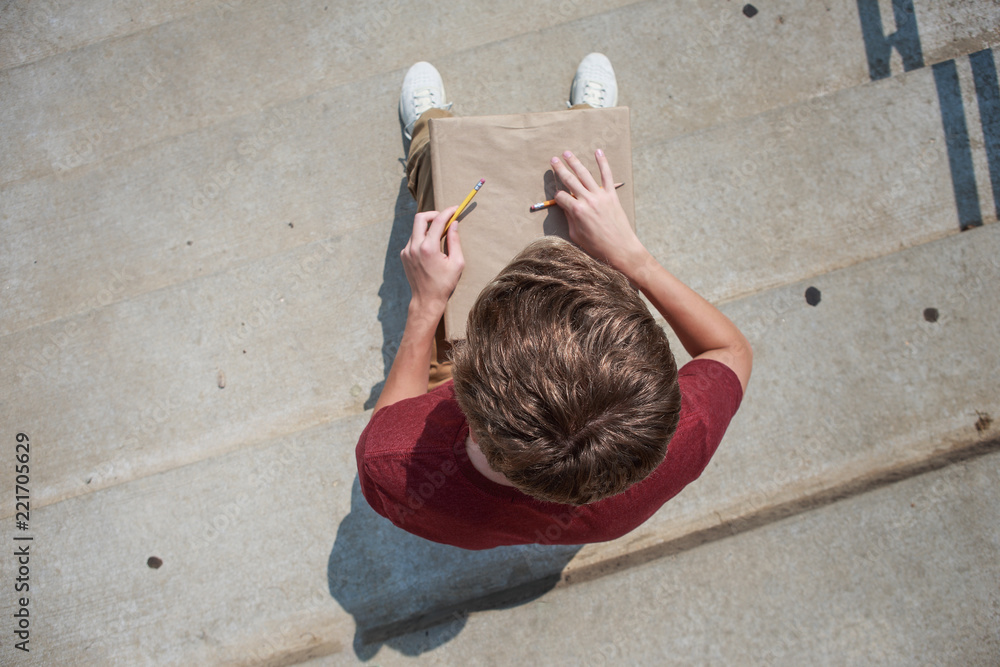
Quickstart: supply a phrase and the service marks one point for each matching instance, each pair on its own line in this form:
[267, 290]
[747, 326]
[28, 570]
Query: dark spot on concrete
[984, 421]
[190, 242]
[244, 351]
[813, 296]
[931, 314]
[291, 225]
[781, 20]
[749, 11]
[154, 562]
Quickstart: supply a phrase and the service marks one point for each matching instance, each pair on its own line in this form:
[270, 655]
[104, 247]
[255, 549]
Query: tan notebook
[512, 153]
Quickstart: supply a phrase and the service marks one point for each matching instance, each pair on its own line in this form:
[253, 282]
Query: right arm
[598, 224]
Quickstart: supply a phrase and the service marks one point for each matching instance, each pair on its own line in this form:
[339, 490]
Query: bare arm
[598, 224]
[432, 275]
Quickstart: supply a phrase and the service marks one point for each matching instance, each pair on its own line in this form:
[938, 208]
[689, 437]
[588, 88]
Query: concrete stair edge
[133, 528]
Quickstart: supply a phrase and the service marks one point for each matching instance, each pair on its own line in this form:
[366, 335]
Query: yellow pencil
[458, 211]
[552, 202]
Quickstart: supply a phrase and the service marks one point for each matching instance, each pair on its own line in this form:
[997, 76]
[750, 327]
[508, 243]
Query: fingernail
[567, 155]
[554, 160]
[600, 153]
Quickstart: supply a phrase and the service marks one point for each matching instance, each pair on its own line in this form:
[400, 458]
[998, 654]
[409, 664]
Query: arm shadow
[395, 584]
[395, 290]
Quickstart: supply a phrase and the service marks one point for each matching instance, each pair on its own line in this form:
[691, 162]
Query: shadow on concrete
[984, 74]
[906, 41]
[395, 584]
[395, 290]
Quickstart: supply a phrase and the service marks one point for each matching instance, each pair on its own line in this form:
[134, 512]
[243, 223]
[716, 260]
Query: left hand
[432, 274]
[597, 221]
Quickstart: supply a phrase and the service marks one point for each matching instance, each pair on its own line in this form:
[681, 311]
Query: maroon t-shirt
[415, 471]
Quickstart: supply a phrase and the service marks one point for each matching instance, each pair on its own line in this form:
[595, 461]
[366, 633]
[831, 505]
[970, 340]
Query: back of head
[567, 381]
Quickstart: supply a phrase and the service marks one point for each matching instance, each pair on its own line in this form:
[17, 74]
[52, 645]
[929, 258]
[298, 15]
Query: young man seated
[567, 420]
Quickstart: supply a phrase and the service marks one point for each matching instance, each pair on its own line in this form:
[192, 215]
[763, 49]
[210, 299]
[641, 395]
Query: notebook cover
[512, 153]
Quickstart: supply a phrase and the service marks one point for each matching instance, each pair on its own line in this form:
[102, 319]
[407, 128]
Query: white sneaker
[422, 90]
[594, 83]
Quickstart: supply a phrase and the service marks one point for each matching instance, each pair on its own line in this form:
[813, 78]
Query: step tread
[287, 310]
[200, 70]
[218, 64]
[903, 575]
[860, 382]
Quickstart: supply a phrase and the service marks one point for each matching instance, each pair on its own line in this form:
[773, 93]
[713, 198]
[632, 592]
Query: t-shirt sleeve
[368, 487]
[387, 448]
[711, 395]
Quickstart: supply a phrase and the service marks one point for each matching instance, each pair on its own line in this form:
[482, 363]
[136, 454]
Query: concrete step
[276, 561]
[791, 183]
[201, 69]
[815, 186]
[274, 324]
[222, 195]
[232, 58]
[32, 30]
[905, 575]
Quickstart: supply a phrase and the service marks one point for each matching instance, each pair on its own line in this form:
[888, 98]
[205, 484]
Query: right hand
[597, 221]
[432, 274]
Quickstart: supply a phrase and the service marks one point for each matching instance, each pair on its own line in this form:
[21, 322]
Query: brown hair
[567, 381]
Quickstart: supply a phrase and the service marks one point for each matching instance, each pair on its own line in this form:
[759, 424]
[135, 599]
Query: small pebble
[222, 380]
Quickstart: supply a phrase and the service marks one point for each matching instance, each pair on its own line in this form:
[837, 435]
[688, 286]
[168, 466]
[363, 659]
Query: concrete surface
[727, 233]
[906, 575]
[203, 149]
[274, 551]
[201, 207]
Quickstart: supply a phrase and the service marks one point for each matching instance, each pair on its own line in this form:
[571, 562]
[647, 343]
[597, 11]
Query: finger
[420, 221]
[567, 177]
[581, 171]
[440, 220]
[607, 180]
[564, 200]
[455, 246]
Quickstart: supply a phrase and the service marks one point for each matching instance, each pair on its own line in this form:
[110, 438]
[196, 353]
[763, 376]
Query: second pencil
[552, 202]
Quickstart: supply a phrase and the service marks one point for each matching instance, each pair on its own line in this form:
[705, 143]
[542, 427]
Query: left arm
[432, 275]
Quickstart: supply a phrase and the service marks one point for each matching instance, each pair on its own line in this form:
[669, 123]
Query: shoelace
[593, 94]
[424, 99]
